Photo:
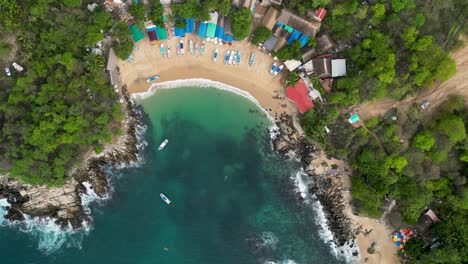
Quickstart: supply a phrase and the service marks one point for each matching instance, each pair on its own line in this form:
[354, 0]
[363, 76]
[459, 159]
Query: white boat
[226, 58]
[215, 56]
[252, 58]
[191, 47]
[163, 144]
[278, 70]
[152, 79]
[162, 50]
[168, 52]
[178, 49]
[234, 60]
[273, 68]
[164, 198]
[182, 51]
[196, 50]
[238, 57]
[231, 58]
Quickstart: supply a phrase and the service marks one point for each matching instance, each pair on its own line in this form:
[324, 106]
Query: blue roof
[304, 40]
[179, 32]
[294, 36]
[279, 24]
[219, 32]
[190, 27]
[202, 30]
[228, 38]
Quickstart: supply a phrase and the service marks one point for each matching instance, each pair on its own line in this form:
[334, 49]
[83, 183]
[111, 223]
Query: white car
[7, 70]
[425, 104]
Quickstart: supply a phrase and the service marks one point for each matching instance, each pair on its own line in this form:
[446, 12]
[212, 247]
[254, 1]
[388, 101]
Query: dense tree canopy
[241, 23]
[123, 42]
[290, 52]
[61, 105]
[261, 34]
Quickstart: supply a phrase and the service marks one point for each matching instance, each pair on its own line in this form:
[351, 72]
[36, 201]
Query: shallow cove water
[233, 201]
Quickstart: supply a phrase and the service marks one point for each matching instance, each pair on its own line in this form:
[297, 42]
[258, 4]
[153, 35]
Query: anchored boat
[164, 198]
[196, 50]
[238, 57]
[162, 50]
[215, 56]
[273, 68]
[226, 58]
[164, 143]
[252, 58]
[191, 47]
[182, 51]
[168, 52]
[278, 70]
[202, 49]
[152, 79]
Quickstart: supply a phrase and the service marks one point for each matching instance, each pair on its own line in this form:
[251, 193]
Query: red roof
[152, 35]
[299, 95]
[320, 13]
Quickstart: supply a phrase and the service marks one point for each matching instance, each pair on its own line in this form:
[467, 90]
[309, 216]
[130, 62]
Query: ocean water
[233, 199]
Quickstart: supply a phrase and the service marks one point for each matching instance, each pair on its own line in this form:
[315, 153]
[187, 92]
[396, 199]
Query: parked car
[425, 104]
[7, 70]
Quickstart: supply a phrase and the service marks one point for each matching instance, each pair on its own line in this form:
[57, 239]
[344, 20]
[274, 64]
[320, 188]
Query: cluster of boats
[194, 48]
[233, 57]
[275, 69]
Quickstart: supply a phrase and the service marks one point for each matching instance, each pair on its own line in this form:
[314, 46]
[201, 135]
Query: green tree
[102, 19]
[224, 7]
[123, 42]
[291, 52]
[424, 140]
[189, 9]
[138, 10]
[71, 3]
[241, 22]
[156, 13]
[453, 126]
[419, 20]
[261, 34]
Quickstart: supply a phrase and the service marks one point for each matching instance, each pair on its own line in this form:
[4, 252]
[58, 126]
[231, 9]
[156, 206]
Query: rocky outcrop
[64, 203]
[325, 183]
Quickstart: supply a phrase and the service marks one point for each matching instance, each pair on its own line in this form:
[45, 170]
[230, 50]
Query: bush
[261, 34]
[123, 41]
[241, 22]
[291, 52]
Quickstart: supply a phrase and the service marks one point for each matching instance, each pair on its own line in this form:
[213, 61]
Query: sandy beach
[148, 61]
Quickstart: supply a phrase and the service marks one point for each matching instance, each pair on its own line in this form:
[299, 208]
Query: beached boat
[226, 58]
[278, 70]
[252, 58]
[178, 49]
[168, 52]
[215, 56]
[182, 51]
[273, 68]
[152, 79]
[196, 50]
[191, 47]
[234, 59]
[238, 57]
[231, 58]
[162, 50]
[164, 198]
[202, 49]
[164, 143]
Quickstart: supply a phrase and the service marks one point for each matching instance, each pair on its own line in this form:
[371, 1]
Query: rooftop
[310, 28]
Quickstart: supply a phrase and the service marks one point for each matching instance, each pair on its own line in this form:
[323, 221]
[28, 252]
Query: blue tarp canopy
[279, 24]
[219, 32]
[304, 40]
[202, 30]
[294, 36]
[190, 27]
[228, 38]
[179, 32]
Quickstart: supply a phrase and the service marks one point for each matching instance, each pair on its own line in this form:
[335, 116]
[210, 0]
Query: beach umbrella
[275, 58]
[402, 246]
[398, 243]
[395, 238]
[399, 235]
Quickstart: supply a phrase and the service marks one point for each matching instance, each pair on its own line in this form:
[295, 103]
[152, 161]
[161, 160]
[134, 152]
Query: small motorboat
[234, 60]
[273, 68]
[202, 48]
[162, 50]
[168, 52]
[238, 57]
[278, 70]
[215, 56]
[196, 50]
[178, 50]
[191, 47]
[231, 58]
[164, 198]
[226, 58]
[163, 144]
[182, 51]
[152, 79]
[252, 58]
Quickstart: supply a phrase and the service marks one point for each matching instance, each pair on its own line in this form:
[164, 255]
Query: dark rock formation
[64, 203]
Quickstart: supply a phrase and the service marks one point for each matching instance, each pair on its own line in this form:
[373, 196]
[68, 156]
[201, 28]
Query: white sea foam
[3, 205]
[287, 261]
[269, 240]
[302, 182]
[200, 82]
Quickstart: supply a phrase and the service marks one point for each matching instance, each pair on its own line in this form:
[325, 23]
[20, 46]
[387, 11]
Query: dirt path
[457, 85]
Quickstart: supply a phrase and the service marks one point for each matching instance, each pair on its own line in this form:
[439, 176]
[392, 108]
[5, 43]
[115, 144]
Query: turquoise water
[232, 198]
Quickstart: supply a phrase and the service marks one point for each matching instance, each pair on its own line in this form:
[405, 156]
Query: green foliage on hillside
[261, 34]
[290, 52]
[241, 21]
[122, 41]
[61, 106]
[156, 13]
[138, 10]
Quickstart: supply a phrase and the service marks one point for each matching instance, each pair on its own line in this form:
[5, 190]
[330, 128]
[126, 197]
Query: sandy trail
[148, 61]
[457, 85]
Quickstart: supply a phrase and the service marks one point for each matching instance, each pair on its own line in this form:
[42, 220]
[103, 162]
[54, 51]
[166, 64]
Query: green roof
[211, 30]
[289, 29]
[136, 33]
[161, 32]
[353, 119]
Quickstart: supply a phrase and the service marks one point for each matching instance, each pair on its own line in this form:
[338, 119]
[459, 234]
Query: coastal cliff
[324, 183]
[64, 203]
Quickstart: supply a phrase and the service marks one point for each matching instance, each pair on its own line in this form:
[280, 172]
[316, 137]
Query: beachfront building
[299, 95]
[320, 14]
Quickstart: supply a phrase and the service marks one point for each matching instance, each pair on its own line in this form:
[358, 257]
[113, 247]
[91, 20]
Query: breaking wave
[301, 181]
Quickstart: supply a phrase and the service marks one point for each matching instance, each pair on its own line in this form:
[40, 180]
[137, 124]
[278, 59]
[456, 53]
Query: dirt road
[457, 85]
